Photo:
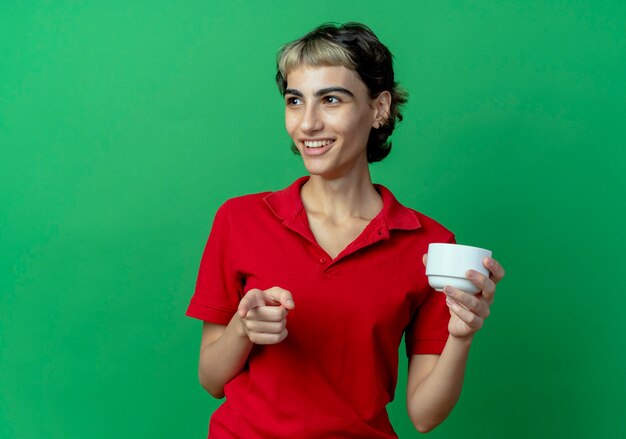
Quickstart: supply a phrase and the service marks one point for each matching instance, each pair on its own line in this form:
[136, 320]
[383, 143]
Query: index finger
[252, 299]
[497, 271]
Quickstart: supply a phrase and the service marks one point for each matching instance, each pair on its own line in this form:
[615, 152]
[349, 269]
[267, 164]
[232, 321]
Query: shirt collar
[286, 204]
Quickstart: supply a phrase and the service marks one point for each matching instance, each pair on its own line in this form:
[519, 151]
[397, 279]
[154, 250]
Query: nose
[311, 120]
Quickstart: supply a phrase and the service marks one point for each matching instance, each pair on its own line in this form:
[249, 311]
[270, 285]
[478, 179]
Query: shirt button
[322, 260]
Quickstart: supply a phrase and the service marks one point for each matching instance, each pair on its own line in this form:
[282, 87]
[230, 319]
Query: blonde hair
[320, 52]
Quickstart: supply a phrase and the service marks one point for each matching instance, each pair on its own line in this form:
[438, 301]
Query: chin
[324, 173]
[314, 170]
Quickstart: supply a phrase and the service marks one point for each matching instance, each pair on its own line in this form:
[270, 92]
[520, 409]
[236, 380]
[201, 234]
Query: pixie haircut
[356, 47]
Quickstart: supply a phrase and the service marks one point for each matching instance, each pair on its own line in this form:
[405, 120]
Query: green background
[125, 124]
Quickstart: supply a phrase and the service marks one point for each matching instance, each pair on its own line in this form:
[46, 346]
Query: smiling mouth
[314, 144]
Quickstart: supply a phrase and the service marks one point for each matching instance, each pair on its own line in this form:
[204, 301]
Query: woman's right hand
[263, 314]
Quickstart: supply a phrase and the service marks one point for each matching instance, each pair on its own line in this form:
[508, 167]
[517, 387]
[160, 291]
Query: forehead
[307, 78]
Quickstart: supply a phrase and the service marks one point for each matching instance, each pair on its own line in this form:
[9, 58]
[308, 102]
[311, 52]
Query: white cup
[447, 264]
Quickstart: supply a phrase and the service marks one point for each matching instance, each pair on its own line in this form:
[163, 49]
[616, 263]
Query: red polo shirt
[336, 371]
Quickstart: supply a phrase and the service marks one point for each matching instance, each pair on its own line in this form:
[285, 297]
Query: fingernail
[449, 301]
[447, 290]
[289, 302]
[470, 274]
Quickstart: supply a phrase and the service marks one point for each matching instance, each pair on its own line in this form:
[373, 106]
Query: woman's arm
[434, 384]
[224, 351]
[260, 318]
[435, 381]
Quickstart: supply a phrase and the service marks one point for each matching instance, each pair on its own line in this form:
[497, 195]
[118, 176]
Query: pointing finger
[251, 300]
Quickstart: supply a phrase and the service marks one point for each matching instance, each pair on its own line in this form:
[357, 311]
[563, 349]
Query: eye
[331, 100]
[292, 101]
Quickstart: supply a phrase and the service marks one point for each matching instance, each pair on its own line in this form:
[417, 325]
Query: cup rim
[448, 244]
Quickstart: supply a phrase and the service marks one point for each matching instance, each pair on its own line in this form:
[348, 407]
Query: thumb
[281, 296]
[425, 259]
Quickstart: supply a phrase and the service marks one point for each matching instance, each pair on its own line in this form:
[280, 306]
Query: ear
[382, 105]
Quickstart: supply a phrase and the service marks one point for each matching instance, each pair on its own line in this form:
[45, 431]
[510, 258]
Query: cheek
[358, 127]
[291, 122]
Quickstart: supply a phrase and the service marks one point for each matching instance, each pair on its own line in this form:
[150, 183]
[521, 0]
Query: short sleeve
[428, 331]
[218, 287]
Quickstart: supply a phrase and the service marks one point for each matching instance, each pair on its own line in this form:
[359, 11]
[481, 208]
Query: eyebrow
[321, 92]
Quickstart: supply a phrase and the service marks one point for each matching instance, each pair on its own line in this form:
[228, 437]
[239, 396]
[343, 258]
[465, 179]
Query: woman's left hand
[469, 311]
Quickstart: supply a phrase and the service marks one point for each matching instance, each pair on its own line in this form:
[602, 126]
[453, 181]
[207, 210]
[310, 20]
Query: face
[329, 115]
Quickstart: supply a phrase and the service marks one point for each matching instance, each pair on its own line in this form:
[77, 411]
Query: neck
[342, 198]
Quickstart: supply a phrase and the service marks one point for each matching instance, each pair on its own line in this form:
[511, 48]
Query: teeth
[316, 143]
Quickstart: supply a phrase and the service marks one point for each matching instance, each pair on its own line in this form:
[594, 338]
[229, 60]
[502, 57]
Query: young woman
[306, 292]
